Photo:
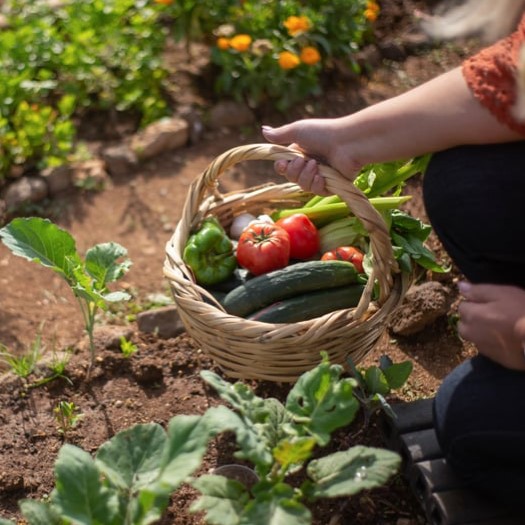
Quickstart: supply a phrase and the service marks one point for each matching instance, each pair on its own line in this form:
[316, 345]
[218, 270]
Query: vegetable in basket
[209, 253]
[346, 253]
[304, 237]
[263, 247]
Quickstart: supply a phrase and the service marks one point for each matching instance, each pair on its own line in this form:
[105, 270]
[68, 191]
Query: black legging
[475, 200]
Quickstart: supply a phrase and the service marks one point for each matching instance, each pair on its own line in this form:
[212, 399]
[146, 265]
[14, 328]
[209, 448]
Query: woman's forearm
[436, 115]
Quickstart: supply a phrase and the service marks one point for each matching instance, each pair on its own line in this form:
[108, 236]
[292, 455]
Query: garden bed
[139, 210]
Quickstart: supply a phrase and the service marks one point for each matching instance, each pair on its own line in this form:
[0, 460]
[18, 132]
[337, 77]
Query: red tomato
[263, 247]
[346, 253]
[304, 237]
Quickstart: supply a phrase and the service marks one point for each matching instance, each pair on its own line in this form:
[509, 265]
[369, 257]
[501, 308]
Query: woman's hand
[320, 140]
[493, 318]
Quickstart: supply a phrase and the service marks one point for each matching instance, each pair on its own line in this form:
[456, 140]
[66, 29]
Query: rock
[57, 179]
[160, 137]
[423, 304]
[391, 50]
[109, 336]
[195, 124]
[230, 114]
[120, 160]
[90, 174]
[25, 189]
[164, 322]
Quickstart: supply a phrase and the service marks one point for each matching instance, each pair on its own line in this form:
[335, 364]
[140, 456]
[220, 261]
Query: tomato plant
[304, 237]
[263, 247]
[346, 253]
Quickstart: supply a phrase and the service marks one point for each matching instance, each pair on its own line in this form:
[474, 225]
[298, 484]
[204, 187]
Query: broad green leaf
[278, 424]
[80, 495]
[132, 459]
[321, 401]
[275, 505]
[294, 451]
[188, 437]
[376, 382]
[149, 504]
[40, 240]
[38, 513]
[346, 473]
[398, 373]
[101, 263]
[222, 499]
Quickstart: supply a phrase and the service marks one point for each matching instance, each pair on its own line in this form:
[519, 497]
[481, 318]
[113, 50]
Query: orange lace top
[491, 75]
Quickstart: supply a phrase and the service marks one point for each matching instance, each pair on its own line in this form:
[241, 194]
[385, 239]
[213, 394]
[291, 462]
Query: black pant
[475, 200]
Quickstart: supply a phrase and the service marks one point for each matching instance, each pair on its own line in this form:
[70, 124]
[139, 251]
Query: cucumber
[310, 305]
[287, 282]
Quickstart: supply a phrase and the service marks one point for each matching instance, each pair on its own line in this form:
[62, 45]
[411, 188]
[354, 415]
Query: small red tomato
[304, 237]
[346, 253]
[263, 247]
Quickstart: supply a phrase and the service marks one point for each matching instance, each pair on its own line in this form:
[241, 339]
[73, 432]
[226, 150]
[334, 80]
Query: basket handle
[383, 261]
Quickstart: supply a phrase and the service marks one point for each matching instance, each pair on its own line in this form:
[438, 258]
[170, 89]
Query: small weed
[127, 347]
[23, 365]
[67, 416]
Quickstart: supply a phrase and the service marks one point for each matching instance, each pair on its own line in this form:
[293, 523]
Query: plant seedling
[128, 348]
[67, 416]
[41, 241]
[376, 382]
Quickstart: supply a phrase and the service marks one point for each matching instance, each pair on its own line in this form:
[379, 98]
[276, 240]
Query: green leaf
[188, 437]
[376, 382]
[101, 263]
[132, 459]
[398, 373]
[275, 505]
[346, 473]
[223, 499]
[80, 495]
[321, 402]
[293, 451]
[38, 513]
[40, 240]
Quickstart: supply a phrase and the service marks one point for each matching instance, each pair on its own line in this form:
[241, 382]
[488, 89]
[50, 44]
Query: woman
[473, 191]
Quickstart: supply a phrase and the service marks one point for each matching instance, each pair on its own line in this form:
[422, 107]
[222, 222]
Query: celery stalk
[322, 214]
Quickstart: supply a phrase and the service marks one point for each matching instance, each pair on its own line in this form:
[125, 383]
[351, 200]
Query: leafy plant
[280, 440]
[67, 416]
[131, 477]
[41, 241]
[375, 383]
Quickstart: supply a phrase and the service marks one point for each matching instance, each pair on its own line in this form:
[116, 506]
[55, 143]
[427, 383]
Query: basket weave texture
[246, 349]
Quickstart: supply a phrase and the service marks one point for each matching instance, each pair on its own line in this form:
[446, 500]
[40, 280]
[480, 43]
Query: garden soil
[139, 211]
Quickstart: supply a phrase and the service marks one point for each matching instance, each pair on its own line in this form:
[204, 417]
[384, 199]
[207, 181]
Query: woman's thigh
[475, 200]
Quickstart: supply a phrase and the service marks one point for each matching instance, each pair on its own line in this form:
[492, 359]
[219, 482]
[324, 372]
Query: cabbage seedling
[41, 241]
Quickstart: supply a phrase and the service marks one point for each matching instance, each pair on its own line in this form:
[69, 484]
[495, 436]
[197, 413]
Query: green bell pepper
[209, 253]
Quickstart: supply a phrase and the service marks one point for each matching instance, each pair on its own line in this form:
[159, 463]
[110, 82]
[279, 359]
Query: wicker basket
[278, 352]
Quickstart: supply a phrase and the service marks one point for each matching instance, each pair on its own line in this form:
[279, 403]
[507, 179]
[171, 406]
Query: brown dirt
[161, 380]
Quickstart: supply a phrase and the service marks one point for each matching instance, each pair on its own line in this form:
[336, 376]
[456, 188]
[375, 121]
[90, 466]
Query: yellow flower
[310, 55]
[164, 2]
[297, 24]
[223, 43]
[288, 60]
[241, 42]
